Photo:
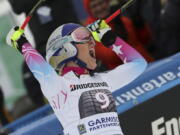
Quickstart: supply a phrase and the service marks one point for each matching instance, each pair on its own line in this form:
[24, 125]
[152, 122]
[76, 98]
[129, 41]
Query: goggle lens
[81, 35]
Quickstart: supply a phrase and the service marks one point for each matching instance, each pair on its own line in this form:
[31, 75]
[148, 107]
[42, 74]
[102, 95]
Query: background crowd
[150, 26]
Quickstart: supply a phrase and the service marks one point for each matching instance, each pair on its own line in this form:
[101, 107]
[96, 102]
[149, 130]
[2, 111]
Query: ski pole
[29, 16]
[119, 11]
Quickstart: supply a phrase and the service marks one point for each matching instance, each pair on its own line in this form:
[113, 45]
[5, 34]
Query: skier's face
[86, 53]
[99, 8]
[85, 46]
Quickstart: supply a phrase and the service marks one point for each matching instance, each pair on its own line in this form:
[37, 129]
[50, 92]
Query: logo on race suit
[74, 87]
[103, 123]
[82, 129]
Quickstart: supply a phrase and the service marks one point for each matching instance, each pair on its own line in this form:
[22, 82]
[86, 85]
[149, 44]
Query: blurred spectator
[48, 16]
[163, 2]
[145, 12]
[123, 26]
[80, 11]
[3, 114]
[163, 18]
[168, 41]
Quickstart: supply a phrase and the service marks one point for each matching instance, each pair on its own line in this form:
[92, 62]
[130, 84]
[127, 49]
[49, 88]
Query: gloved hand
[101, 32]
[16, 38]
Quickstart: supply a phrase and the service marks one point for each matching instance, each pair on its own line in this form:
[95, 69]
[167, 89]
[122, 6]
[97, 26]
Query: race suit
[84, 104]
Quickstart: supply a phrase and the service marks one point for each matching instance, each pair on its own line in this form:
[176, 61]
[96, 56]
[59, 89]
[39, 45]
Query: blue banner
[158, 78]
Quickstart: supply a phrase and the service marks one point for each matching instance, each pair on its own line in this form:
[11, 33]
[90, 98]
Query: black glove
[16, 38]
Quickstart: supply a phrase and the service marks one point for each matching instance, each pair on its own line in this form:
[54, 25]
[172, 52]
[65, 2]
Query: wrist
[21, 42]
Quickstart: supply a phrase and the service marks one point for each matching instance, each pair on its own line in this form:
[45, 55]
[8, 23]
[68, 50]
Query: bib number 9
[102, 98]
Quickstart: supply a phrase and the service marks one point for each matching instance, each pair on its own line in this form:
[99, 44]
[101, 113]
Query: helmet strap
[80, 63]
[83, 65]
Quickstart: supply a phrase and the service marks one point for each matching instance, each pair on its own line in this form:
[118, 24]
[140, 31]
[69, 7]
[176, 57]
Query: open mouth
[92, 53]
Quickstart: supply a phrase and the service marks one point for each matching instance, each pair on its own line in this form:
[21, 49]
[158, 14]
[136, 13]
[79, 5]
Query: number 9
[102, 98]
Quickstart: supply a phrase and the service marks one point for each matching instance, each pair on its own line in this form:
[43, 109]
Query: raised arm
[39, 67]
[125, 52]
[134, 63]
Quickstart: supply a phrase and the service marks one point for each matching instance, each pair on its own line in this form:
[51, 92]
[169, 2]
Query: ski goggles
[82, 35]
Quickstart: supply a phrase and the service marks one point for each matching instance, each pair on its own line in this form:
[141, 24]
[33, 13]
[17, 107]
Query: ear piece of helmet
[66, 53]
[60, 48]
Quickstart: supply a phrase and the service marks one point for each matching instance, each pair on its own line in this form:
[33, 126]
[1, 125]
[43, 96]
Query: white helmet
[59, 48]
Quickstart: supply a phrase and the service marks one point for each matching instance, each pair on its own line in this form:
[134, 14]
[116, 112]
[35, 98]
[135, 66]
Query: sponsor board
[158, 116]
[162, 126]
[156, 80]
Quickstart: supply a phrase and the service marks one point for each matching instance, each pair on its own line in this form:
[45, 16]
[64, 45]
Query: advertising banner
[158, 116]
[150, 105]
[158, 78]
